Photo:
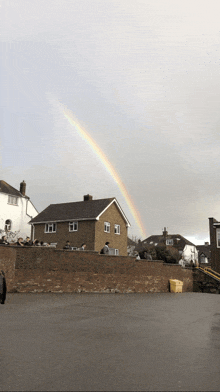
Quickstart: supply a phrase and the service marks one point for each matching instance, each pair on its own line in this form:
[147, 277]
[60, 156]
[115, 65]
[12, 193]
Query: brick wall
[7, 264]
[50, 270]
[85, 233]
[117, 241]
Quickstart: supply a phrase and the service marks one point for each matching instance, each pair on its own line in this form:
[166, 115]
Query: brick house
[93, 222]
[16, 210]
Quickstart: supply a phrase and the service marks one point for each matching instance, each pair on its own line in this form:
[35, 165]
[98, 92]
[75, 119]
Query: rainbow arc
[109, 167]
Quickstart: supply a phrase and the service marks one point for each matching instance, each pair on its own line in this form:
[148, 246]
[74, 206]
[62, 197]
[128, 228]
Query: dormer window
[169, 242]
[13, 200]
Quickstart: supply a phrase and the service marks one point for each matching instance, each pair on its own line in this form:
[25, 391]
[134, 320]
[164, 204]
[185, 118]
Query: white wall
[190, 253]
[19, 214]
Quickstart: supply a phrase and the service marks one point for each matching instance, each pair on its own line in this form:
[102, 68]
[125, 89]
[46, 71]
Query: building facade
[16, 210]
[214, 231]
[93, 222]
[204, 253]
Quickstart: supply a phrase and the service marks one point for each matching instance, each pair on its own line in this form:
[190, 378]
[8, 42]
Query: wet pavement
[110, 342]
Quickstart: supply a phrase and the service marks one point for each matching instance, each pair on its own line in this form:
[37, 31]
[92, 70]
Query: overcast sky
[143, 78]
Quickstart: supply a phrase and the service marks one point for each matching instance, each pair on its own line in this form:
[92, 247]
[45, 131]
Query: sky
[142, 79]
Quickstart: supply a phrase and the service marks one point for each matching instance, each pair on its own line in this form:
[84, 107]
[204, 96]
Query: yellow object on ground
[176, 286]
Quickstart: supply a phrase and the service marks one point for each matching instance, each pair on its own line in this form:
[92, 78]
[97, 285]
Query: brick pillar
[215, 252]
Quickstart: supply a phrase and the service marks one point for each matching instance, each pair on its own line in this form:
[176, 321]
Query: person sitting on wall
[3, 241]
[42, 243]
[28, 242]
[67, 246]
[105, 249]
[83, 247]
[36, 243]
[20, 242]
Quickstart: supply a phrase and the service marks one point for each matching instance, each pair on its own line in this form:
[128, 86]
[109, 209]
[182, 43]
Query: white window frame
[73, 226]
[107, 227]
[117, 229]
[50, 228]
[12, 200]
[218, 238]
[169, 241]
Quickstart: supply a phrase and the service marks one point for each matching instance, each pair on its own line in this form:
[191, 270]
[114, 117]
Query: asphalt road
[110, 342]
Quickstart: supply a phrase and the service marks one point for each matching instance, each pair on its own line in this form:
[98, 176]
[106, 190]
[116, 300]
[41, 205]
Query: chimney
[23, 187]
[87, 197]
[165, 232]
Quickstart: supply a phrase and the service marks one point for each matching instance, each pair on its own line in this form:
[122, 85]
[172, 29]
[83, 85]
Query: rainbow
[84, 134]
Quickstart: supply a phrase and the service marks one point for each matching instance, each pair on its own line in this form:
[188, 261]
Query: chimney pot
[165, 232]
[87, 197]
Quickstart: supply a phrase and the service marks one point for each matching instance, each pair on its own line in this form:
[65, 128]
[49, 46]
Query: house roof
[179, 241]
[9, 190]
[205, 249]
[80, 210]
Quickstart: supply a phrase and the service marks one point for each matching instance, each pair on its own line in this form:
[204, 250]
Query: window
[218, 238]
[107, 227]
[169, 242]
[117, 229]
[50, 228]
[73, 226]
[116, 252]
[13, 200]
[8, 225]
[203, 258]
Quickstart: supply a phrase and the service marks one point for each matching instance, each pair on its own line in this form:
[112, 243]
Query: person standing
[106, 249]
[3, 288]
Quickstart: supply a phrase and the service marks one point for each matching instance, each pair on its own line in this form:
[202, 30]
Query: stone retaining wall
[205, 283]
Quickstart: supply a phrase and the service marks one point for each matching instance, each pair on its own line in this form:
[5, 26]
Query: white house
[16, 210]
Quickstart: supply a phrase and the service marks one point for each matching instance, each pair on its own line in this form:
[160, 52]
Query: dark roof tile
[179, 240]
[89, 209]
[6, 188]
